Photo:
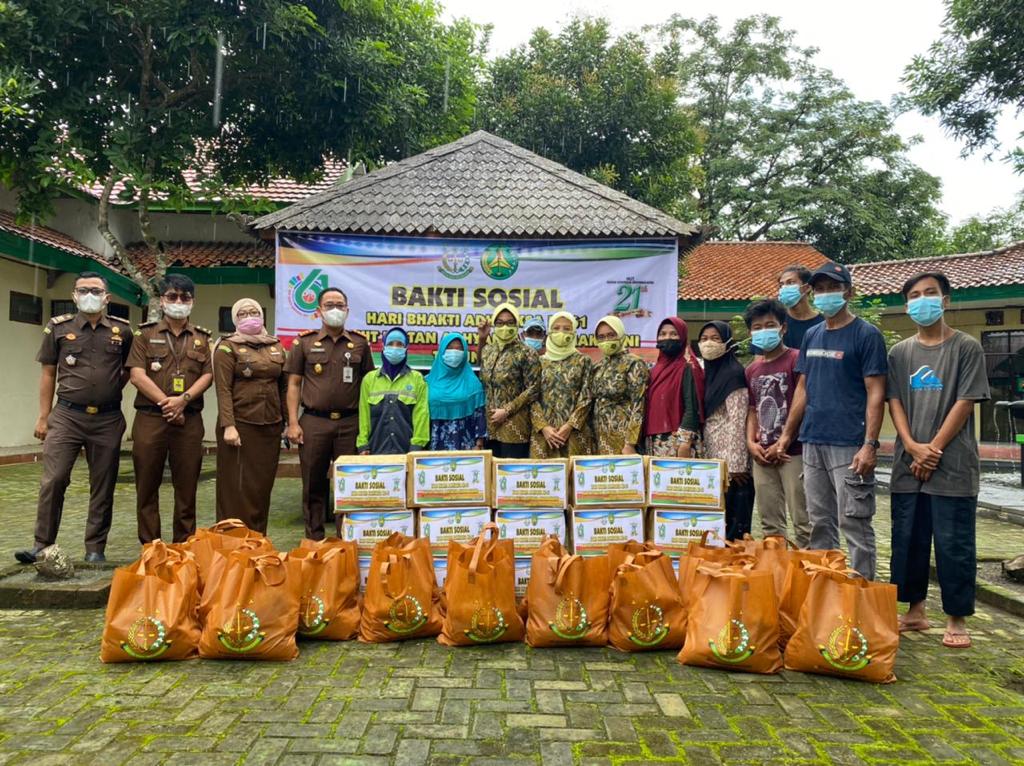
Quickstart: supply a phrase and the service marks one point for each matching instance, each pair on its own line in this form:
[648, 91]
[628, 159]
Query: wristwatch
[872, 443]
[187, 396]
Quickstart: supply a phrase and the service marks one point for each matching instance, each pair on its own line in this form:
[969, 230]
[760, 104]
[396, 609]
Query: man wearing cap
[325, 370]
[534, 334]
[83, 356]
[837, 408]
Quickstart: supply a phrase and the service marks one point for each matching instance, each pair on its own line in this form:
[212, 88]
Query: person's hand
[178, 421]
[920, 473]
[777, 452]
[364, 452]
[760, 454]
[629, 449]
[231, 437]
[563, 432]
[499, 416]
[483, 332]
[479, 443]
[293, 433]
[172, 407]
[739, 478]
[551, 437]
[684, 450]
[41, 428]
[925, 454]
[864, 461]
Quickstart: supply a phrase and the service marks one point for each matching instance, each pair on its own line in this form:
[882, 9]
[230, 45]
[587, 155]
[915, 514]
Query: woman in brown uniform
[248, 371]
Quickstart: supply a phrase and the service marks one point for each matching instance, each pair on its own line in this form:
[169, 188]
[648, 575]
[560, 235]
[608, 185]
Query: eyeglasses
[505, 323]
[607, 336]
[330, 306]
[249, 313]
[90, 291]
[177, 297]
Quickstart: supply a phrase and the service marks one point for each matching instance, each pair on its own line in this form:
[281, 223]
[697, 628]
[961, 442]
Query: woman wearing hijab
[510, 372]
[561, 414]
[394, 414]
[248, 370]
[725, 416]
[618, 389]
[672, 423]
[457, 417]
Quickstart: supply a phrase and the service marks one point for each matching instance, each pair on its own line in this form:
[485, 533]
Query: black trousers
[739, 509]
[917, 518]
[509, 450]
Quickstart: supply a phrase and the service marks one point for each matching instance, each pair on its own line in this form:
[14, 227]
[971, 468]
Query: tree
[788, 151]
[973, 72]
[1001, 227]
[604, 107]
[122, 92]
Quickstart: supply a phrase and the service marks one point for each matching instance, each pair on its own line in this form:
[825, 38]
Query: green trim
[40, 254]
[227, 275]
[711, 307]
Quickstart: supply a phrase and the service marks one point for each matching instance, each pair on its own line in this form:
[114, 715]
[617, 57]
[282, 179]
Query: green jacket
[394, 415]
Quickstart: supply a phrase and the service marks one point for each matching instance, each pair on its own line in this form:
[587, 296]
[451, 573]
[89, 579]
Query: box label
[367, 528]
[679, 482]
[675, 530]
[595, 529]
[439, 480]
[609, 480]
[524, 484]
[361, 486]
[530, 528]
[440, 525]
[523, 564]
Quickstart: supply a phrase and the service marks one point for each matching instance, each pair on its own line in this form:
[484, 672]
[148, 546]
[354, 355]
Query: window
[26, 308]
[57, 308]
[1004, 366]
[119, 310]
[224, 323]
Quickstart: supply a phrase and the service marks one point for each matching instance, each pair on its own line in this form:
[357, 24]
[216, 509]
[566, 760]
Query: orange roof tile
[718, 271]
[48, 236]
[1003, 266]
[255, 254]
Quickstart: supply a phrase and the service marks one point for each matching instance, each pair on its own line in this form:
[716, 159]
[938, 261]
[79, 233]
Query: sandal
[956, 640]
[914, 625]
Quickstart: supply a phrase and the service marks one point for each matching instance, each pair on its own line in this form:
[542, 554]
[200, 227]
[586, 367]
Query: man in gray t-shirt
[934, 380]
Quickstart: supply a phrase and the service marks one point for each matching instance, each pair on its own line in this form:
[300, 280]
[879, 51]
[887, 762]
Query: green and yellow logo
[241, 633]
[732, 644]
[649, 628]
[486, 625]
[571, 621]
[847, 648]
[304, 290]
[499, 262]
[455, 264]
[406, 615]
[147, 639]
[311, 616]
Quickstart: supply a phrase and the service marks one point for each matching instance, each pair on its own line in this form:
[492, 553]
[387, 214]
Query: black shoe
[27, 556]
[95, 557]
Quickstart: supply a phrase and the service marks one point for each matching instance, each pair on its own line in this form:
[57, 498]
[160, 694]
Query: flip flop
[914, 625]
[956, 640]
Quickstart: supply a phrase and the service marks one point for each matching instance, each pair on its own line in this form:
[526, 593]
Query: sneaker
[95, 557]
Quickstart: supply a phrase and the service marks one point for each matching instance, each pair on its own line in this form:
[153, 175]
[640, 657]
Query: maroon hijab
[665, 392]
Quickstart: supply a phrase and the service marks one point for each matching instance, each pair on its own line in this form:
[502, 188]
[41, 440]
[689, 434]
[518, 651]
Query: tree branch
[103, 226]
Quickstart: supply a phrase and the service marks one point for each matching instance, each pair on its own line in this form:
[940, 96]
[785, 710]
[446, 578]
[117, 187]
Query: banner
[432, 286]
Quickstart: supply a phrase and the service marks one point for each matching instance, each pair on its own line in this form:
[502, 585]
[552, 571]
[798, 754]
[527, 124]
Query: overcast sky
[867, 43]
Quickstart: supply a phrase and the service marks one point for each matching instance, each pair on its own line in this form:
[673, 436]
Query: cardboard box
[609, 481]
[594, 528]
[439, 525]
[364, 570]
[682, 482]
[531, 483]
[522, 575]
[449, 479]
[369, 482]
[673, 530]
[367, 528]
[528, 529]
[441, 569]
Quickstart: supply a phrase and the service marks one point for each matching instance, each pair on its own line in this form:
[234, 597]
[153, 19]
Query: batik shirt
[618, 387]
[511, 378]
[564, 398]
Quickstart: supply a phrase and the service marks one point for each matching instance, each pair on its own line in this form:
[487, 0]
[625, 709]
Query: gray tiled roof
[480, 185]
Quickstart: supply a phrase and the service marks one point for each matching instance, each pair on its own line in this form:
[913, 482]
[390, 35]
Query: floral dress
[618, 387]
[459, 434]
[511, 378]
[564, 398]
[725, 432]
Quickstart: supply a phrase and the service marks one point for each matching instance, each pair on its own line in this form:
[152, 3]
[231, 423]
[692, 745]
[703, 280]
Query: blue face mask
[790, 295]
[926, 310]
[535, 343]
[394, 354]
[829, 304]
[767, 339]
[453, 357]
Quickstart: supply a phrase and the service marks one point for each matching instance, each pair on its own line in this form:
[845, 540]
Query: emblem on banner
[499, 262]
[455, 264]
[304, 291]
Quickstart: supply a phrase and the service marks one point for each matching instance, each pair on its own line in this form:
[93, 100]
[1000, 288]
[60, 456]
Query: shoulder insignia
[62, 318]
[150, 323]
[47, 330]
[203, 330]
[225, 348]
[304, 333]
[137, 333]
[357, 334]
[118, 319]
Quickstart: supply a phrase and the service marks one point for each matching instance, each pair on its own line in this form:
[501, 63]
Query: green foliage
[973, 73]
[999, 228]
[871, 310]
[606, 108]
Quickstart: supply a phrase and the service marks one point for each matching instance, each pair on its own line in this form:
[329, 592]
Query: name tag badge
[346, 375]
[178, 384]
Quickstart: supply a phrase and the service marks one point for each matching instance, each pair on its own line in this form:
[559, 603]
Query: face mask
[767, 339]
[505, 333]
[453, 357]
[561, 339]
[829, 304]
[711, 349]
[250, 326]
[177, 310]
[926, 310]
[790, 295]
[394, 354]
[335, 317]
[670, 347]
[89, 304]
[609, 347]
[535, 343]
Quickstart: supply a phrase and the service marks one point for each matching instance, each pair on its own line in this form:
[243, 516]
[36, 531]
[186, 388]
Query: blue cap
[539, 323]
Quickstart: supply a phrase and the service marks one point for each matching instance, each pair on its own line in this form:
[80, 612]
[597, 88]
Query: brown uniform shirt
[250, 382]
[90, 362]
[164, 356]
[321, 361]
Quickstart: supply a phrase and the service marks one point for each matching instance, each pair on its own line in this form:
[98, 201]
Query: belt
[89, 409]
[330, 414]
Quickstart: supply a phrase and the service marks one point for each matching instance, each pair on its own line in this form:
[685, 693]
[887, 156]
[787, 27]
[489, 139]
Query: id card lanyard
[178, 381]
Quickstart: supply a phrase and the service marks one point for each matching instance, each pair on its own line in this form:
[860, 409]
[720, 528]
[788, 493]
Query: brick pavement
[419, 702]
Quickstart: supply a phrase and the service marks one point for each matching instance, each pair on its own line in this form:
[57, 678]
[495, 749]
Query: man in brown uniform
[83, 359]
[325, 369]
[170, 366]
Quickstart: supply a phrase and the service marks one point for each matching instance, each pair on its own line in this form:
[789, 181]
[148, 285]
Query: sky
[866, 43]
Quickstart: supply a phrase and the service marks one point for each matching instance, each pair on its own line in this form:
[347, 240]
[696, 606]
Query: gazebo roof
[477, 186]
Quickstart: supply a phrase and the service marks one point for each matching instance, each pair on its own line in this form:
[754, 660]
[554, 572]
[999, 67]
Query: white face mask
[335, 317]
[89, 304]
[177, 310]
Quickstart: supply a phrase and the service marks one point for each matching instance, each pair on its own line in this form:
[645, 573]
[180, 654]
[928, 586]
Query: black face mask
[671, 347]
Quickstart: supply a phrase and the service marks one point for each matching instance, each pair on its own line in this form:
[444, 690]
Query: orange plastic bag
[567, 598]
[480, 592]
[619, 552]
[701, 555]
[402, 599]
[796, 584]
[646, 609]
[734, 622]
[152, 609]
[255, 612]
[848, 627]
[223, 537]
[329, 606]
